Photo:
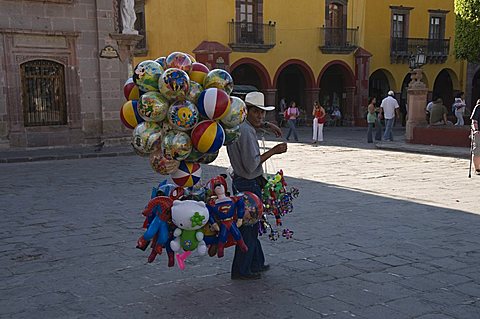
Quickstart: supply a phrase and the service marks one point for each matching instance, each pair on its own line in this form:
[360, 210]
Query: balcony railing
[338, 40]
[252, 37]
[436, 50]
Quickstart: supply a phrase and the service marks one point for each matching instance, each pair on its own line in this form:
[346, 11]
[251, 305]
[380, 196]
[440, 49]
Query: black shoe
[252, 276]
[477, 171]
[265, 268]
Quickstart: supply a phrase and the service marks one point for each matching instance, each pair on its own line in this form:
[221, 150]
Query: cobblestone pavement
[378, 234]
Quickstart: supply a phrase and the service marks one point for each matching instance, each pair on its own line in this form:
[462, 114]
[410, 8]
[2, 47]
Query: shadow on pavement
[68, 250]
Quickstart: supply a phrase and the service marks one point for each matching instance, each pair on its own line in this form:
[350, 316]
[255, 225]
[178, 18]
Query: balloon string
[265, 164]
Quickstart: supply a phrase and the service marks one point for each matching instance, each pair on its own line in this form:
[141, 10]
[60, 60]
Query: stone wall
[70, 32]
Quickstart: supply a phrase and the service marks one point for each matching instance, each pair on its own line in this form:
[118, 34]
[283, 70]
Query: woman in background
[292, 113]
[319, 116]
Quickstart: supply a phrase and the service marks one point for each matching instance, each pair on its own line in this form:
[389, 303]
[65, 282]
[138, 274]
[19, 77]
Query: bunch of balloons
[181, 114]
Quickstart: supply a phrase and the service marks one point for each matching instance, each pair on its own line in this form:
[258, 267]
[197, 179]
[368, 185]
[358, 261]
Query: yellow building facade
[338, 52]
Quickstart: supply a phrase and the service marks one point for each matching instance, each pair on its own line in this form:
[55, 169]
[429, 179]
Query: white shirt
[389, 104]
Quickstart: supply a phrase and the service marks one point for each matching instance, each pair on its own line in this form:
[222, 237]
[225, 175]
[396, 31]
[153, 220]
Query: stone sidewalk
[342, 136]
[377, 235]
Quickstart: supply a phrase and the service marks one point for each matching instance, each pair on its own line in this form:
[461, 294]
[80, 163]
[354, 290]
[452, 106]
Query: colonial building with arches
[338, 52]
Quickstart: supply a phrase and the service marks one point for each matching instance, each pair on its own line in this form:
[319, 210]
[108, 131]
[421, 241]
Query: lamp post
[416, 95]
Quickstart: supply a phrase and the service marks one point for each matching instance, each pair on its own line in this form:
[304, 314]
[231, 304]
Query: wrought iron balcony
[436, 50]
[338, 40]
[251, 37]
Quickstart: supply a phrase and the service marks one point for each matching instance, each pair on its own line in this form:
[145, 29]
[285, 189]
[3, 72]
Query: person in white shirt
[389, 107]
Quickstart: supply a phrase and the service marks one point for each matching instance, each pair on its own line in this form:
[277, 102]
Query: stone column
[311, 96]
[350, 110]
[362, 71]
[270, 95]
[416, 101]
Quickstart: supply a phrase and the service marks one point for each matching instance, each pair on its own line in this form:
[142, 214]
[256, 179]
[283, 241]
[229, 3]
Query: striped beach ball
[130, 90]
[187, 174]
[208, 136]
[198, 72]
[129, 114]
[214, 103]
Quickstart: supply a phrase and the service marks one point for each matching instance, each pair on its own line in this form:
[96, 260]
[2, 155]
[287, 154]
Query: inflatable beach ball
[214, 103]
[179, 60]
[129, 114]
[198, 72]
[146, 75]
[174, 84]
[237, 113]
[183, 115]
[219, 79]
[207, 136]
[130, 90]
[162, 165]
[176, 145]
[153, 107]
[187, 174]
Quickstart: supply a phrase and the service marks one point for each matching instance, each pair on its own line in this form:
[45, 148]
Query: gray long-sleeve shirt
[244, 154]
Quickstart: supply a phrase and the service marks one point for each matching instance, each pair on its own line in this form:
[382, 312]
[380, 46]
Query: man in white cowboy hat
[246, 161]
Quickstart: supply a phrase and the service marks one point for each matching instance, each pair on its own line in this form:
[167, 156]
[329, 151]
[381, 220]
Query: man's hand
[279, 148]
[274, 129]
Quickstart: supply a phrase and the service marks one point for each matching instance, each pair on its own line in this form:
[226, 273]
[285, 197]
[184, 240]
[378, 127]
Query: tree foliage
[467, 30]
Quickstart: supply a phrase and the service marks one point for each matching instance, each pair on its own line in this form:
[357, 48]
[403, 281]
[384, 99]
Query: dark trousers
[253, 259]
[378, 130]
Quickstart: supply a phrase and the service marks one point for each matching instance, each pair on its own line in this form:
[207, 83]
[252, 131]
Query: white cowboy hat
[391, 93]
[257, 99]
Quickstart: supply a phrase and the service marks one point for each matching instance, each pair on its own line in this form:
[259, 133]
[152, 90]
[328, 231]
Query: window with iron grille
[43, 93]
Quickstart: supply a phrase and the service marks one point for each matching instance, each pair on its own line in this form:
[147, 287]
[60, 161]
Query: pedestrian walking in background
[246, 162]
[389, 107]
[371, 118]
[476, 137]
[293, 113]
[319, 118]
[459, 109]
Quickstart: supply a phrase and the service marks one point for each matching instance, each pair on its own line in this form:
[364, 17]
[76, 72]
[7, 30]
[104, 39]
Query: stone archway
[379, 83]
[250, 72]
[294, 80]
[337, 89]
[443, 88]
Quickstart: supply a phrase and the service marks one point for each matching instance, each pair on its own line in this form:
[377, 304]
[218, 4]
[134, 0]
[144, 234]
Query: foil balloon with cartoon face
[183, 115]
[179, 60]
[161, 61]
[220, 79]
[176, 145]
[146, 137]
[208, 158]
[153, 107]
[231, 135]
[195, 156]
[146, 75]
[174, 84]
[237, 114]
[194, 92]
[162, 165]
